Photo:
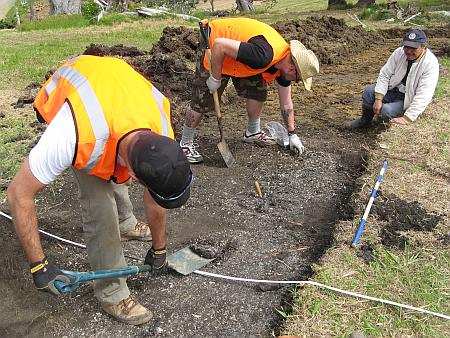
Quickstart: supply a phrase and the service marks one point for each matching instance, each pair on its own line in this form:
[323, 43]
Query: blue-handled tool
[77, 278]
[373, 195]
[183, 261]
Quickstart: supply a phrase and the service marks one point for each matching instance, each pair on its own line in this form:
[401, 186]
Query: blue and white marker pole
[373, 195]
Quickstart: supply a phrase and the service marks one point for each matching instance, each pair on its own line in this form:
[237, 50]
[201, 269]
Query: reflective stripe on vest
[159, 97]
[93, 109]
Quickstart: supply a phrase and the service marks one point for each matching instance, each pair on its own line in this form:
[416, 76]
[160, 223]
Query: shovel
[222, 145]
[184, 261]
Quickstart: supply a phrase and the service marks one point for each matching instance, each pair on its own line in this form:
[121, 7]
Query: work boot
[141, 232]
[260, 138]
[128, 311]
[363, 122]
[192, 155]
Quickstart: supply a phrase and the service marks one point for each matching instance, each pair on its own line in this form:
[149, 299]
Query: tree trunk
[245, 5]
[32, 14]
[364, 3]
[65, 6]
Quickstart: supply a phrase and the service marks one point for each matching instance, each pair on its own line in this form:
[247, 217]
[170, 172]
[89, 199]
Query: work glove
[213, 84]
[157, 260]
[45, 275]
[295, 145]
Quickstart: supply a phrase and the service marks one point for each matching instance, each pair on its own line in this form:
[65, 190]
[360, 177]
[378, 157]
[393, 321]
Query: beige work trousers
[106, 212]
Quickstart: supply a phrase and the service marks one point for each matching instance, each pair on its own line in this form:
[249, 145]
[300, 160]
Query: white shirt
[55, 150]
[420, 84]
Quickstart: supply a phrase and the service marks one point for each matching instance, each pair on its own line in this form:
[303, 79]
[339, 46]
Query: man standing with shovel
[252, 54]
[107, 133]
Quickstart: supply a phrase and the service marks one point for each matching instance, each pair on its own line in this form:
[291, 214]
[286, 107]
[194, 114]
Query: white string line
[319, 285]
[51, 235]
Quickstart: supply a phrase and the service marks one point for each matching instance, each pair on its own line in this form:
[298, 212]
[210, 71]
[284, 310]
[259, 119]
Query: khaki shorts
[252, 87]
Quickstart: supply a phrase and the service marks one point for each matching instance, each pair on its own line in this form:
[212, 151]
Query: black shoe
[357, 124]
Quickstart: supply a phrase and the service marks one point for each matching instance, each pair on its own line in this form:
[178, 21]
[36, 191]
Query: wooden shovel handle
[215, 97]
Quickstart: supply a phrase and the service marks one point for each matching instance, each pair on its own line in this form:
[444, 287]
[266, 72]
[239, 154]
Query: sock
[254, 126]
[187, 135]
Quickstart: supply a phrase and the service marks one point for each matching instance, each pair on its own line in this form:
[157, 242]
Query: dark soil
[401, 215]
[366, 252]
[330, 39]
[275, 237]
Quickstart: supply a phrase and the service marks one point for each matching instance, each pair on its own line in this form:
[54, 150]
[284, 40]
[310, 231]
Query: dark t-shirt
[408, 68]
[258, 53]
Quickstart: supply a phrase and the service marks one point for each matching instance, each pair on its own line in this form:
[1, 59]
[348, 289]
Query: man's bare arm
[287, 107]
[222, 47]
[156, 216]
[21, 193]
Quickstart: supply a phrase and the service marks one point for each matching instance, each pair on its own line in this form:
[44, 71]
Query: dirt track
[276, 237]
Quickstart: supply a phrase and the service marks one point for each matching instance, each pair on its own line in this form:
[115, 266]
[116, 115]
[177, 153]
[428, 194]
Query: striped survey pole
[373, 195]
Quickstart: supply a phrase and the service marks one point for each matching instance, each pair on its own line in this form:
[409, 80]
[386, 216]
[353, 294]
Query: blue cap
[415, 38]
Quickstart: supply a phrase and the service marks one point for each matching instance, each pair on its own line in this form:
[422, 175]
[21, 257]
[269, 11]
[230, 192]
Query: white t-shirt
[56, 148]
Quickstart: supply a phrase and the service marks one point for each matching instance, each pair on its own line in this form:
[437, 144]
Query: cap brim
[172, 204]
[412, 44]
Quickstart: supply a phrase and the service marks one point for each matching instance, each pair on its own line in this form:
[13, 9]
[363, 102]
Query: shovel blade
[186, 261]
[226, 154]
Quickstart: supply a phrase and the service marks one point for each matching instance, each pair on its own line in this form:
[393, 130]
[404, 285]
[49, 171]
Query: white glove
[295, 145]
[213, 84]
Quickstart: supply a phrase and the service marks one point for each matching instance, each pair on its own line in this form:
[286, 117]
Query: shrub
[375, 12]
[90, 10]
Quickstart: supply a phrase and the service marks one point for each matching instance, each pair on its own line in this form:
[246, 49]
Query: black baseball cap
[414, 38]
[161, 166]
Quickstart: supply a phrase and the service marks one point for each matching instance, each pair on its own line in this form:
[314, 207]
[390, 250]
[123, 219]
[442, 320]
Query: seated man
[405, 85]
[107, 133]
[253, 54]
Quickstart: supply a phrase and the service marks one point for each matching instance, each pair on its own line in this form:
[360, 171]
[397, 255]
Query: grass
[54, 22]
[412, 277]
[14, 144]
[443, 88]
[287, 9]
[419, 274]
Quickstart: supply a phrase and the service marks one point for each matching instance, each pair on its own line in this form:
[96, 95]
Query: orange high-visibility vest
[108, 100]
[243, 29]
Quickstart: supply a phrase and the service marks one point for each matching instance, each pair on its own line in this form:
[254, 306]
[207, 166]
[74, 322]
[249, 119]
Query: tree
[65, 6]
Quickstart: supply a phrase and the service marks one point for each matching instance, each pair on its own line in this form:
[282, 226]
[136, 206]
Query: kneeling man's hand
[399, 120]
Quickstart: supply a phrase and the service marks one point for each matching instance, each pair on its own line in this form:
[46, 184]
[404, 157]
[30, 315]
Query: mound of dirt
[402, 216]
[117, 50]
[181, 41]
[397, 32]
[330, 38]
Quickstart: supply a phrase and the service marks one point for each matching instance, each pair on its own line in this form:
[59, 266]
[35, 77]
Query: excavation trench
[277, 236]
